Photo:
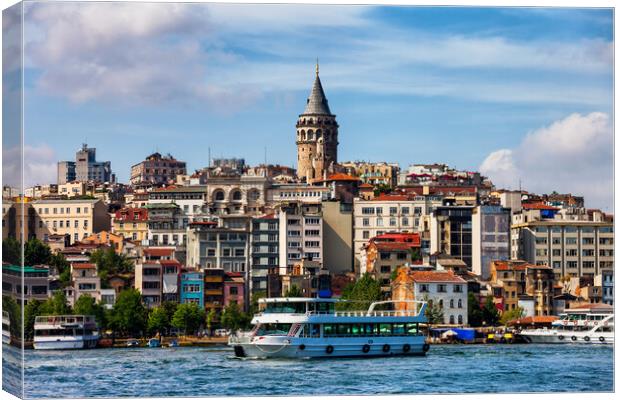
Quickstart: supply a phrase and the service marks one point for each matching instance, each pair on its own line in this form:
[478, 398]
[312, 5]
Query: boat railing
[64, 319]
[379, 313]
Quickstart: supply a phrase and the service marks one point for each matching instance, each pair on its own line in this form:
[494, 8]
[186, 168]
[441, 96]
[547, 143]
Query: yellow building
[106, 238]
[131, 223]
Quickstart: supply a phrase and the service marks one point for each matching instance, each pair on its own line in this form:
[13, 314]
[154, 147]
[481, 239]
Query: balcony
[215, 279]
[214, 292]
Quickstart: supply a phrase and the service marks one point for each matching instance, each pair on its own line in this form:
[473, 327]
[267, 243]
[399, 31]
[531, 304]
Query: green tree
[254, 301]
[474, 312]
[55, 305]
[12, 308]
[110, 263]
[234, 318]
[11, 251]
[490, 315]
[294, 291]
[87, 305]
[434, 312]
[58, 261]
[36, 252]
[128, 315]
[511, 315]
[31, 311]
[158, 321]
[210, 318]
[188, 317]
[170, 307]
[361, 294]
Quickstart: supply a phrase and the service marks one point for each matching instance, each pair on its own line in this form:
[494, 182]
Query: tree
[110, 263]
[474, 313]
[170, 307]
[294, 291]
[11, 251]
[234, 318]
[31, 311]
[12, 308]
[511, 315]
[361, 294]
[86, 305]
[55, 305]
[128, 315]
[490, 315]
[36, 252]
[434, 312]
[58, 261]
[188, 317]
[158, 321]
[254, 301]
[210, 318]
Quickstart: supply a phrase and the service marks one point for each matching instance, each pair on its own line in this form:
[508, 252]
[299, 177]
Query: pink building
[234, 291]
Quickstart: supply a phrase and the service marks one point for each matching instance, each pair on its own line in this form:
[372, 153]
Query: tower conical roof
[317, 102]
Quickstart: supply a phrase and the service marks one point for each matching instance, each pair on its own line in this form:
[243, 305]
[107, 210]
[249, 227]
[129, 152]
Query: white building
[490, 238]
[300, 234]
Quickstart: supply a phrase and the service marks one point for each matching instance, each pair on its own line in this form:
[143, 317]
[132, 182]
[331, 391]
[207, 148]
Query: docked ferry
[6, 328]
[61, 332]
[589, 323]
[308, 328]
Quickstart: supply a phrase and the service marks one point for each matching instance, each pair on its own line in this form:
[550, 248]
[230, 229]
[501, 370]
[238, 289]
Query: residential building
[451, 232]
[210, 246]
[234, 289]
[86, 281]
[170, 272]
[148, 281]
[296, 192]
[192, 288]
[438, 174]
[236, 194]
[309, 276]
[131, 223]
[373, 173]
[25, 283]
[301, 234]
[214, 289]
[392, 213]
[85, 168]
[606, 281]
[108, 298]
[337, 236]
[517, 283]
[317, 136]
[385, 253]
[490, 238]
[189, 199]
[167, 226]
[156, 170]
[573, 245]
[77, 218]
[105, 238]
[265, 253]
[442, 288]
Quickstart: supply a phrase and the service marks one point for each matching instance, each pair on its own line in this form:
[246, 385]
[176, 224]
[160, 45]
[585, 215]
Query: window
[442, 288]
[405, 221]
[404, 210]
[226, 252]
[451, 303]
[417, 210]
[385, 256]
[379, 221]
[239, 252]
[365, 235]
[458, 288]
[460, 303]
[386, 269]
[571, 240]
[312, 243]
[379, 210]
[424, 288]
[571, 253]
[312, 232]
[451, 319]
[392, 221]
[368, 210]
[234, 290]
[312, 221]
[393, 210]
[460, 318]
[366, 222]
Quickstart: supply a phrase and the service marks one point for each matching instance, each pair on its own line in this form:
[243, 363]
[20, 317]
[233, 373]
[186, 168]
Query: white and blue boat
[62, 332]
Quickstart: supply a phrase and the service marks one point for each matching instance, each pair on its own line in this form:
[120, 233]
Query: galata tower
[317, 136]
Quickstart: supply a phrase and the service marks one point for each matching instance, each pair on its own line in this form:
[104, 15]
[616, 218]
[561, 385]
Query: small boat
[311, 327]
[60, 332]
[586, 324]
[133, 343]
[154, 342]
[6, 328]
[173, 343]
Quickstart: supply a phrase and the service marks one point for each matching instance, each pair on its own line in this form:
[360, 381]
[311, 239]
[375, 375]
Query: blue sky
[472, 87]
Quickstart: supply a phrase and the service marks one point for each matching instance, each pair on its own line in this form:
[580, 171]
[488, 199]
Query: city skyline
[513, 93]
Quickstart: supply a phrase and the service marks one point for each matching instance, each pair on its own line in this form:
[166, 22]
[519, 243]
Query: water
[214, 372]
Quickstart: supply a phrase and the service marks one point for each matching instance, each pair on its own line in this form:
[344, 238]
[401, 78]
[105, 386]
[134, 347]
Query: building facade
[192, 288]
[490, 238]
[265, 250]
[157, 170]
[131, 223]
[85, 168]
[300, 235]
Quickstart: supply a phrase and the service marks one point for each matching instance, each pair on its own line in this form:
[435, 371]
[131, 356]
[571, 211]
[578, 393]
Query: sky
[522, 94]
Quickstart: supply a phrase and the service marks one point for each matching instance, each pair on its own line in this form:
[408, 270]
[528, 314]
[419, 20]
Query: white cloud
[573, 155]
[40, 165]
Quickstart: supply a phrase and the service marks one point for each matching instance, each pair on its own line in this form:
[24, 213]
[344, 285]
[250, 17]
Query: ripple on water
[213, 372]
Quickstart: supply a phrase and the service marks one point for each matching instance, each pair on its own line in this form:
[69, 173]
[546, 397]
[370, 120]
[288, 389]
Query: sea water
[214, 371]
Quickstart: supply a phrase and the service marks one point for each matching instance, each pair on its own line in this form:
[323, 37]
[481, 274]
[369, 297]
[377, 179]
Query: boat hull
[283, 347]
[66, 343]
[555, 337]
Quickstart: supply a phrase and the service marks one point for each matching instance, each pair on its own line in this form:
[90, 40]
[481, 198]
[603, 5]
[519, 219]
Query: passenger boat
[59, 332]
[309, 327]
[154, 342]
[6, 328]
[590, 323]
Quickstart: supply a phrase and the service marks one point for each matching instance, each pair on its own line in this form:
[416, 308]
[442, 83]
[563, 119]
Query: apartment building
[337, 236]
[192, 288]
[490, 238]
[265, 250]
[516, 283]
[85, 281]
[295, 192]
[166, 225]
[442, 288]
[84, 168]
[189, 199]
[391, 213]
[300, 234]
[157, 169]
[572, 245]
[148, 281]
[76, 218]
[451, 232]
[131, 223]
[34, 279]
[373, 173]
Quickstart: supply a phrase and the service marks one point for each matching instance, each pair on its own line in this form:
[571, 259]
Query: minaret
[317, 135]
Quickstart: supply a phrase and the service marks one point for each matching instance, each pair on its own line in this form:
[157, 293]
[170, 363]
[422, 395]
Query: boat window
[325, 308]
[398, 329]
[412, 329]
[286, 308]
[385, 329]
[343, 329]
[273, 329]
